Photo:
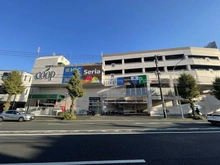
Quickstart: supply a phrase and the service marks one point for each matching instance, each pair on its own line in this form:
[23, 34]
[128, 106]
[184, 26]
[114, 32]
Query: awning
[46, 96]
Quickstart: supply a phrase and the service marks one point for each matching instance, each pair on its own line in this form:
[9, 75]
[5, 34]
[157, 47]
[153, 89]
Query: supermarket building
[126, 81]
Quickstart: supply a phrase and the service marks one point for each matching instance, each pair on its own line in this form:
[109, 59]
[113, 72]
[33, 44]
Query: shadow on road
[155, 149]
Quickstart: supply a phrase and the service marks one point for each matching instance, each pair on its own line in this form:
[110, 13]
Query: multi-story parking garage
[122, 70]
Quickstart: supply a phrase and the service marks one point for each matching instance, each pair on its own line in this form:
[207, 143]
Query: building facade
[124, 82]
[123, 72]
[50, 76]
[18, 101]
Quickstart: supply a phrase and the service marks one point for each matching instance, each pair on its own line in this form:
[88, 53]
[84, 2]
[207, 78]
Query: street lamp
[175, 86]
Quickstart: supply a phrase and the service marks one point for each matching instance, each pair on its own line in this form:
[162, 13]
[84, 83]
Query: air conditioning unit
[113, 64]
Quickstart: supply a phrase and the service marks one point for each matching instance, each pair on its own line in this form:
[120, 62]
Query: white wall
[57, 79]
[41, 62]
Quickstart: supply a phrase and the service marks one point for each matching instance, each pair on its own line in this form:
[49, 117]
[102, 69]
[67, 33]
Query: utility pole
[160, 86]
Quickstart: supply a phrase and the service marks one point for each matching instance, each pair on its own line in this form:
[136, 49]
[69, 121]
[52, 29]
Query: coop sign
[47, 75]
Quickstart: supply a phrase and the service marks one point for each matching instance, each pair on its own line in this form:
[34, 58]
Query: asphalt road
[100, 125]
[154, 149]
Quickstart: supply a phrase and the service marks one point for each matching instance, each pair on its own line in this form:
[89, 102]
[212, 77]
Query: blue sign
[134, 80]
[68, 72]
[120, 81]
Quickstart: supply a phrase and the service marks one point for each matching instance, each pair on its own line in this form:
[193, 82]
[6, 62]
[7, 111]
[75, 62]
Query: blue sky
[84, 28]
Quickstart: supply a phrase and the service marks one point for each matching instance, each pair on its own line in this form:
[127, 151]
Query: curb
[108, 131]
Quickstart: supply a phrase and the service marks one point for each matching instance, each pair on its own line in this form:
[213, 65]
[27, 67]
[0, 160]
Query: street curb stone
[108, 131]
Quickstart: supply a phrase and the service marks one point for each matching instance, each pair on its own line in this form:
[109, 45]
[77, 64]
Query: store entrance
[95, 105]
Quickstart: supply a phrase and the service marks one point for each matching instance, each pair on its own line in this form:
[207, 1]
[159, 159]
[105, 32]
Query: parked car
[213, 117]
[15, 115]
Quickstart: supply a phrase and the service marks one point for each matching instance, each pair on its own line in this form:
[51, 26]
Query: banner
[68, 72]
[133, 80]
[92, 74]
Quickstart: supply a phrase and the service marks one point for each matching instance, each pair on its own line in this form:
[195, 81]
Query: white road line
[114, 133]
[70, 123]
[155, 123]
[108, 120]
[84, 162]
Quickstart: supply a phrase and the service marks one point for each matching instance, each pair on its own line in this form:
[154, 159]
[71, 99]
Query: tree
[188, 89]
[12, 85]
[75, 88]
[216, 87]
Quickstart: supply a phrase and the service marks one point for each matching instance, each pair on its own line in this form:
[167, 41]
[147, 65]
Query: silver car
[15, 115]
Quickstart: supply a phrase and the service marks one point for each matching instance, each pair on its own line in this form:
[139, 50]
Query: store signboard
[120, 81]
[88, 74]
[48, 75]
[92, 74]
[142, 79]
[111, 82]
[68, 72]
[133, 80]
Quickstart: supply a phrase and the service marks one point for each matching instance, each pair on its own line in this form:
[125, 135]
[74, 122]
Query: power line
[42, 54]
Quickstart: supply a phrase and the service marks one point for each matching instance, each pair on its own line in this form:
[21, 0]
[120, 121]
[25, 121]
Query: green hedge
[67, 115]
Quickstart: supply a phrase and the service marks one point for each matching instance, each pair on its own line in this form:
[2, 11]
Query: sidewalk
[148, 118]
[116, 118]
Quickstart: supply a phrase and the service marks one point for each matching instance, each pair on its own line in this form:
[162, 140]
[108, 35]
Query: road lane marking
[84, 162]
[112, 133]
[152, 123]
[70, 124]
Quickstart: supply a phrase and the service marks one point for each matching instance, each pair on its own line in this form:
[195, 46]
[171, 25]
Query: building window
[151, 59]
[113, 72]
[205, 67]
[25, 77]
[179, 67]
[5, 75]
[110, 62]
[203, 57]
[30, 79]
[161, 69]
[174, 57]
[132, 60]
[26, 91]
[138, 70]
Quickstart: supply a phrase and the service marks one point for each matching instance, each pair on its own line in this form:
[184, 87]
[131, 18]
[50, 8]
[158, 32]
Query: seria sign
[48, 75]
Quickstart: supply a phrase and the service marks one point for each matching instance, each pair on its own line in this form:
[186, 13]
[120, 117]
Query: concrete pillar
[186, 57]
[165, 69]
[123, 62]
[163, 58]
[188, 67]
[172, 87]
[149, 98]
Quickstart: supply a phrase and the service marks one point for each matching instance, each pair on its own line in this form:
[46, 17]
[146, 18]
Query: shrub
[196, 117]
[67, 115]
[199, 117]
